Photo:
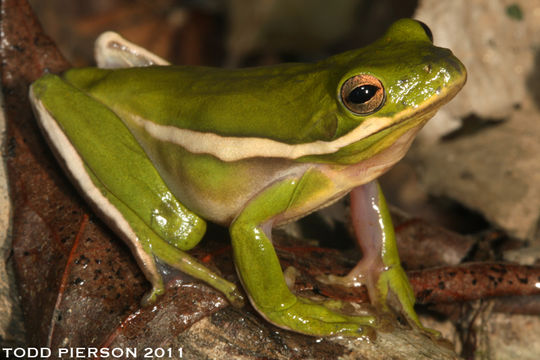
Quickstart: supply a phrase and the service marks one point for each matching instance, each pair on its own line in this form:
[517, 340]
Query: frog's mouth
[421, 114]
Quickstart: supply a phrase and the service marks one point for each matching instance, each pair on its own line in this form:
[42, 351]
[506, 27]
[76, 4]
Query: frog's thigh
[109, 150]
[115, 175]
[137, 235]
[146, 244]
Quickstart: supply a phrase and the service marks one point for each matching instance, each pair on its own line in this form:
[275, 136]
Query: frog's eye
[363, 94]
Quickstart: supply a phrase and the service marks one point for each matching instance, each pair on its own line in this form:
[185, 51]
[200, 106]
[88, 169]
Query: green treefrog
[159, 149]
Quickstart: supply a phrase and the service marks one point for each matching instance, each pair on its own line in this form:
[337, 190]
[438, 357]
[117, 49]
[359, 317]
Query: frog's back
[270, 102]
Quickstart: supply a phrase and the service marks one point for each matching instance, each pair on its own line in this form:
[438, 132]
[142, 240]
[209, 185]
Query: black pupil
[362, 94]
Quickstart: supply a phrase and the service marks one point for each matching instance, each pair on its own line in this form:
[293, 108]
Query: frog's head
[390, 87]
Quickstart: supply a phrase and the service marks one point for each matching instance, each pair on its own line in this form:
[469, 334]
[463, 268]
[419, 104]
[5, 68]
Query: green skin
[161, 191]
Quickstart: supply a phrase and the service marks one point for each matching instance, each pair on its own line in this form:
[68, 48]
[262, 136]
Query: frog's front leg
[380, 268]
[261, 274]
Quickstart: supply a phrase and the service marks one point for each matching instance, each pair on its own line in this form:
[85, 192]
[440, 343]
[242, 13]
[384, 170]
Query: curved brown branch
[474, 281]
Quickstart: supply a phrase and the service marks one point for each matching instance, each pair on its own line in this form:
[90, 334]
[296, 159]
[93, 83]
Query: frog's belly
[213, 189]
[218, 190]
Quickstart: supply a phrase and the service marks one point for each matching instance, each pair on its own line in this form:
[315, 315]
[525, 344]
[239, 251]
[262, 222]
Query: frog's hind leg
[115, 175]
[146, 245]
[379, 269]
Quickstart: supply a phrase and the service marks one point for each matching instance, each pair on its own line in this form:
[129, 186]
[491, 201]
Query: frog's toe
[355, 326]
[395, 280]
[235, 297]
[151, 296]
[350, 329]
[315, 319]
[350, 280]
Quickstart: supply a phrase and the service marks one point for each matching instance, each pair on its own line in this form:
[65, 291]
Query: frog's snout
[443, 60]
[454, 65]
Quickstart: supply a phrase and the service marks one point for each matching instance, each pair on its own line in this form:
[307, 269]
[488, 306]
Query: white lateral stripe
[229, 148]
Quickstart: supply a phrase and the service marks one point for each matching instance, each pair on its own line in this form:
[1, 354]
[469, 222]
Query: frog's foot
[234, 296]
[349, 280]
[182, 261]
[151, 296]
[393, 280]
[189, 265]
[355, 278]
[308, 317]
[389, 283]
